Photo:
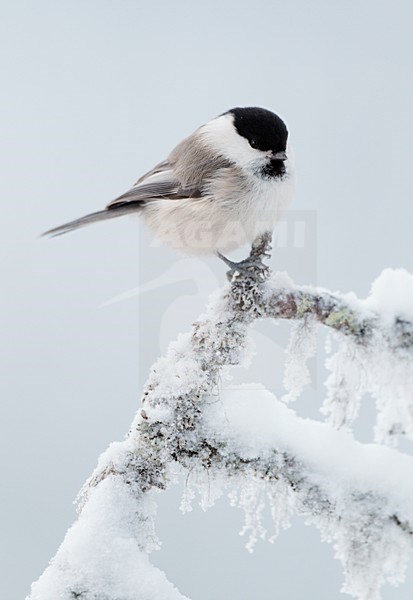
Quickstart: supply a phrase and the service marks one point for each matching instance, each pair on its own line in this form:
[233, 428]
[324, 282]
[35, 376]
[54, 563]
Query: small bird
[221, 187]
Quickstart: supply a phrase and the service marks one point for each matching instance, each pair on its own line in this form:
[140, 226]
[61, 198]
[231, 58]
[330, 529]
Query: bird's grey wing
[163, 166]
[160, 183]
[184, 174]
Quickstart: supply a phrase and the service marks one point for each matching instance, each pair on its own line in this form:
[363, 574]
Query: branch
[239, 439]
[334, 311]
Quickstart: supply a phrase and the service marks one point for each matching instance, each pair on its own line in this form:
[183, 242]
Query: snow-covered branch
[245, 442]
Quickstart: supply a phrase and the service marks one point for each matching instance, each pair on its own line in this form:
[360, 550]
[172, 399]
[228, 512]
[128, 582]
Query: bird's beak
[280, 155]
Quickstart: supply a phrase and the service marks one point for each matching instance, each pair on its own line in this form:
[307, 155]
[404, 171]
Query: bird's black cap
[262, 128]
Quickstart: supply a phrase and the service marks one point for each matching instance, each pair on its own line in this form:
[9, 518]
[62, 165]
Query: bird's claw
[251, 267]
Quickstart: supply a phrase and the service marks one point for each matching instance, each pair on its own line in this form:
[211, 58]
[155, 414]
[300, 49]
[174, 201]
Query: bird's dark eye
[254, 143]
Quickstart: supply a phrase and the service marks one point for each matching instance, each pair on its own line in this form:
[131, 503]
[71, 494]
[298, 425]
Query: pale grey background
[94, 93]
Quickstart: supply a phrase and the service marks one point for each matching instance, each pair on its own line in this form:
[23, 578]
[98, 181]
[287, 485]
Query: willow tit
[221, 187]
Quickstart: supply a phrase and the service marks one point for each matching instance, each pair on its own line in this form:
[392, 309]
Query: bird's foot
[251, 268]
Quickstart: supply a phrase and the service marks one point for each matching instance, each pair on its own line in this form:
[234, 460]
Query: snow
[102, 552]
[244, 442]
[350, 491]
[255, 423]
[391, 295]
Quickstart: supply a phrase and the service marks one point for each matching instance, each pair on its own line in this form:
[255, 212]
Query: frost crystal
[301, 347]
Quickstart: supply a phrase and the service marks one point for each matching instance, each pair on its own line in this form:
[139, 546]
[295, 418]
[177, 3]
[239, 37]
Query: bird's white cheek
[222, 138]
[245, 156]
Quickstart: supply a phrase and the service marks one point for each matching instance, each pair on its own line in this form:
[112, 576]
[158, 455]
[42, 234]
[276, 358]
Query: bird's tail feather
[100, 215]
